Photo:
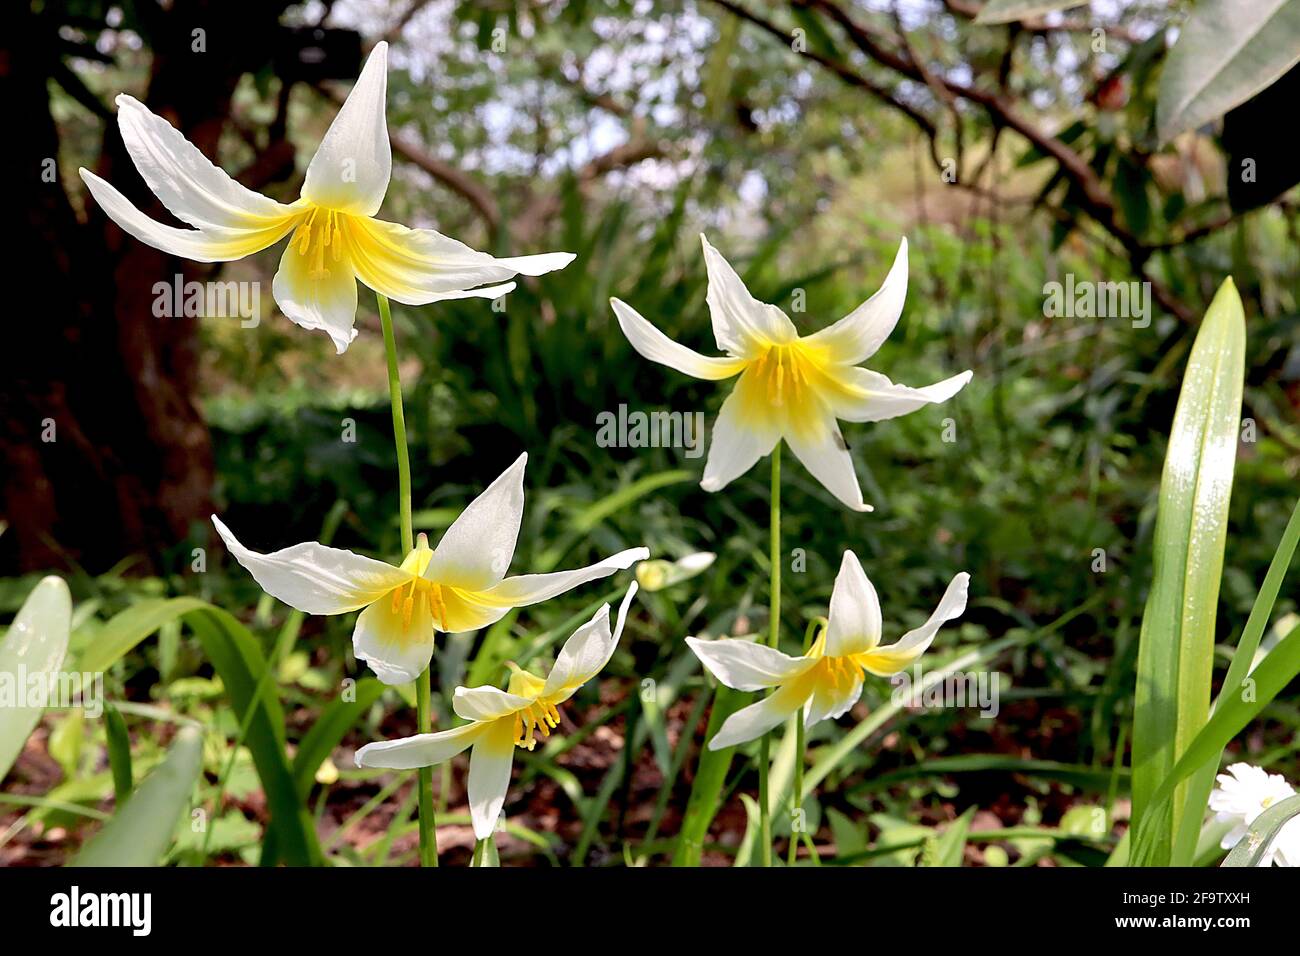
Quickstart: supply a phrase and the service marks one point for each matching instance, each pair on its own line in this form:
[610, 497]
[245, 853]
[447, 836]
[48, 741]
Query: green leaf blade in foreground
[1253, 848]
[1227, 52]
[35, 645]
[1175, 655]
[141, 830]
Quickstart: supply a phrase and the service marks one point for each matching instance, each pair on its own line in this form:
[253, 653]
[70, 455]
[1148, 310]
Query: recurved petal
[884, 661]
[528, 589]
[314, 578]
[212, 244]
[741, 324]
[744, 432]
[475, 551]
[350, 170]
[657, 347]
[585, 654]
[421, 750]
[318, 292]
[747, 665]
[833, 701]
[417, 266]
[186, 181]
[757, 719]
[858, 335]
[489, 775]
[395, 639]
[823, 451]
[485, 703]
[868, 396]
[854, 621]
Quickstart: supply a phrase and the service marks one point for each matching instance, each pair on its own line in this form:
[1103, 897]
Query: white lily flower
[501, 720]
[828, 679]
[1242, 794]
[458, 586]
[791, 386]
[336, 239]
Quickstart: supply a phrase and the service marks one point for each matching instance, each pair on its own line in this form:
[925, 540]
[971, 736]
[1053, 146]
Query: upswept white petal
[421, 750]
[834, 701]
[822, 450]
[418, 266]
[657, 347]
[885, 661]
[396, 647]
[872, 397]
[316, 579]
[475, 551]
[187, 182]
[858, 335]
[485, 703]
[528, 589]
[757, 719]
[739, 438]
[854, 621]
[212, 244]
[747, 665]
[489, 775]
[350, 170]
[585, 654]
[741, 324]
[318, 300]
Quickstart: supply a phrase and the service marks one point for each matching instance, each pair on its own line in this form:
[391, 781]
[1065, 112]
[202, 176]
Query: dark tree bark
[104, 451]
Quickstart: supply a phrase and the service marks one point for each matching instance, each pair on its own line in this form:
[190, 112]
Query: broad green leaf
[1176, 645]
[141, 830]
[1253, 847]
[119, 754]
[127, 629]
[950, 845]
[1007, 11]
[706, 788]
[35, 646]
[1227, 52]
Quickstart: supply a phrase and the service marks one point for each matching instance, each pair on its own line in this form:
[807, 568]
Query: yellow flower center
[539, 716]
[319, 234]
[784, 371]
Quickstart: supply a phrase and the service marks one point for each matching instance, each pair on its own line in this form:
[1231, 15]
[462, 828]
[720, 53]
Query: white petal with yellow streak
[657, 347]
[418, 266]
[747, 665]
[885, 661]
[830, 701]
[858, 335]
[211, 244]
[486, 703]
[854, 621]
[194, 189]
[395, 638]
[586, 652]
[744, 432]
[489, 775]
[351, 169]
[475, 551]
[316, 290]
[742, 325]
[420, 750]
[314, 578]
[753, 721]
[868, 396]
[527, 589]
[818, 444]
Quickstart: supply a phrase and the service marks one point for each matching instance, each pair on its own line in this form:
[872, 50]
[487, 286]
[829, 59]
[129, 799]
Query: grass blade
[119, 754]
[1251, 850]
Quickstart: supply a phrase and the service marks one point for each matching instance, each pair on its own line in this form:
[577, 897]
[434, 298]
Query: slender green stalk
[797, 793]
[773, 638]
[479, 847]
[423, 686]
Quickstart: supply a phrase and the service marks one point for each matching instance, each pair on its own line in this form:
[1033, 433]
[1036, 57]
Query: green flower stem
[773, 638]
[423, 688]
[797, 793]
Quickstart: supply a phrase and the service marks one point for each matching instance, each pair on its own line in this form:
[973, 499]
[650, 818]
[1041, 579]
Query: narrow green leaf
[1227, 52]
[34, 647]
[124, 631]
[119, 754]
[1176, 645]
[1253, 847]
[950, 845]
[141, 830]
[330, 727]
[706, 788]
